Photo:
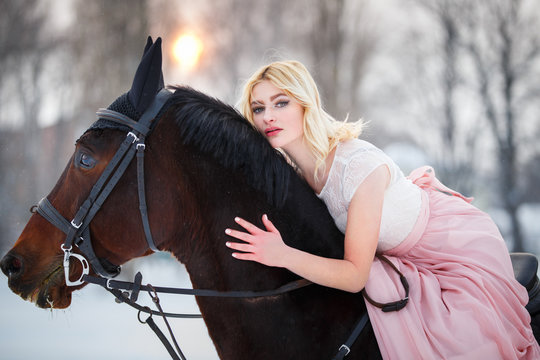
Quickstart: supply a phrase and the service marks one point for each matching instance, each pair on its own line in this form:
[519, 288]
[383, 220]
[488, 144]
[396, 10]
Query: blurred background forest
[450, 83]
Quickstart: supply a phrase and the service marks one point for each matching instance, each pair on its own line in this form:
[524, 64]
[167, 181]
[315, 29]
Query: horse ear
[148, 80]
[149, 43]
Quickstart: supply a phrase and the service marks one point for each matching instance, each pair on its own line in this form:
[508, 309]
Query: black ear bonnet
[148, 81]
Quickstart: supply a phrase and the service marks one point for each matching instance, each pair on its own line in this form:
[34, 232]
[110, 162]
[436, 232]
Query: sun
[187, 50]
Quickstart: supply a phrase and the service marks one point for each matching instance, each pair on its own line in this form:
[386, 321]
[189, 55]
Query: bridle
[78, 233]
[77, 230]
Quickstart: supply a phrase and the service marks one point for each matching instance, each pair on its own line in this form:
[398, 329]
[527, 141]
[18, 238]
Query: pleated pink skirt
[464, 302]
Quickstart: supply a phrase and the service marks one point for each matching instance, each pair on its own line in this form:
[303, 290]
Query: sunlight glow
[187, 50]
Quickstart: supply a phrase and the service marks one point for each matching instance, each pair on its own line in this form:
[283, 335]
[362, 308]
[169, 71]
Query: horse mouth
[51, 293]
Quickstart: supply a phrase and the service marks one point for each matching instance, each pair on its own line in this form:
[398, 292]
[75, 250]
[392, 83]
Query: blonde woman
[464, 301]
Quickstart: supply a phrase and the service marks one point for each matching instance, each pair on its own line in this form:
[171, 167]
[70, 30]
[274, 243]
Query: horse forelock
[220, 131]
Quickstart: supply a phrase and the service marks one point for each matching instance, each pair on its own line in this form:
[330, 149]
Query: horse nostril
[11, 265]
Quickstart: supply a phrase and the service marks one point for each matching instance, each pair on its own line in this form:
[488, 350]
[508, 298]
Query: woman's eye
[86, 161]
[282, 103]
[257, 110]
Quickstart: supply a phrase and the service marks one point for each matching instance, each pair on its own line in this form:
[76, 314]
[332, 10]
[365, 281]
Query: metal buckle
[84, 263]
[135, 138]
[346, 349]
[141, 146]
[75, 225]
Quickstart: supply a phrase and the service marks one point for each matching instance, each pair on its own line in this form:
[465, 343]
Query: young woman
[464, 301]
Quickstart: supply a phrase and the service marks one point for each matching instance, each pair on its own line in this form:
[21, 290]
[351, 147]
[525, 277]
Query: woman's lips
[273, 131]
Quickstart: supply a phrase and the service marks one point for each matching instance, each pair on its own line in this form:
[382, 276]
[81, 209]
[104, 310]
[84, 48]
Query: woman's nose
[268, 116]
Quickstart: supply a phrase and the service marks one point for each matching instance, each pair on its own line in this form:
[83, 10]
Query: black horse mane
[219, 130]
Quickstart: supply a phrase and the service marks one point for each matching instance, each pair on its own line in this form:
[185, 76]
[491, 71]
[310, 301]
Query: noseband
[77, 230]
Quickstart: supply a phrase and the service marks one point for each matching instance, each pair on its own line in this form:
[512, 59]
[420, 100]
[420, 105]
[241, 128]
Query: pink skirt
[464, 302]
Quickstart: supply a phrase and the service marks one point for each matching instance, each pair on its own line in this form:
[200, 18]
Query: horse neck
[211, 195]
[222, 194]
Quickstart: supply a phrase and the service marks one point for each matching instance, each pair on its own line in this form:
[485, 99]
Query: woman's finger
[247, 248]
[245, 256]
[247, 225]
[240, 235]
[269, 225]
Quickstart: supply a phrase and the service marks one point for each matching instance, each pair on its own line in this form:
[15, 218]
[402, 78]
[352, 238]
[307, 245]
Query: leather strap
[163, 339]
[394, 305]
[142, 198]
[121, 119]
[130, 286]
[345, 349]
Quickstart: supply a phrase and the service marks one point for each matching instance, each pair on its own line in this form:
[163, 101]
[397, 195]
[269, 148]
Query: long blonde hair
[321, 131]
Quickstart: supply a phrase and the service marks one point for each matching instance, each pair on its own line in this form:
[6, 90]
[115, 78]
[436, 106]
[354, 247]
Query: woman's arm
[361, 236]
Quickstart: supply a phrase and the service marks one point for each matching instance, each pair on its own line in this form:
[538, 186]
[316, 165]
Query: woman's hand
[263, 246]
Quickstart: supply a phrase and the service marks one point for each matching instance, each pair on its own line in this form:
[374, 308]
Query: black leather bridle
[77, 230]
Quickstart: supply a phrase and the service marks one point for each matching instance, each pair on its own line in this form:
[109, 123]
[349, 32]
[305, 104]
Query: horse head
[36, 265]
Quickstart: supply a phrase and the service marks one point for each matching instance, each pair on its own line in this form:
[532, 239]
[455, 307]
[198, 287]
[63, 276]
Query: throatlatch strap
[142, 198]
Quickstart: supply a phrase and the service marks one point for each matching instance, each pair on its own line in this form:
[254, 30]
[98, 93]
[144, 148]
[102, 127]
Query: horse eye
[86, 161]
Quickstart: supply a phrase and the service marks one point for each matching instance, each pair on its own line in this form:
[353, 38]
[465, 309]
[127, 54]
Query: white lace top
[354, 160]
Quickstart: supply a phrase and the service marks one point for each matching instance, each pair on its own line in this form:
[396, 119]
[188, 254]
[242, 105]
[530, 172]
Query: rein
[115, 287]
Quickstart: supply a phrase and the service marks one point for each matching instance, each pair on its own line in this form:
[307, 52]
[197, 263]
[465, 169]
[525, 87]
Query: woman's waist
[401, 209]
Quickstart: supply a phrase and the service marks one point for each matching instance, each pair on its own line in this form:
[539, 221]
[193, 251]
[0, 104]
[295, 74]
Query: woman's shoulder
[356, 147]
[362, 156]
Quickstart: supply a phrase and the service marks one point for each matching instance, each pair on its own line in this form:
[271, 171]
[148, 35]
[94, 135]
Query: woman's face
[277, 115]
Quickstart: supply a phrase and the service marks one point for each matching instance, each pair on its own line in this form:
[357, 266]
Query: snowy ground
[96, 327]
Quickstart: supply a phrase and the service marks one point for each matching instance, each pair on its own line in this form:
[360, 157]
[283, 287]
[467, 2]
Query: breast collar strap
[77, 231]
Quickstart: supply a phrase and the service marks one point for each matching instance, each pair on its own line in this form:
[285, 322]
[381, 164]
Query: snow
[96, 327]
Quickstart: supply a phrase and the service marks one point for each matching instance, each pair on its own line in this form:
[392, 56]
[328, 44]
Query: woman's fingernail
[228, 231]
[265, 217]
[237, 219]
[227, 244]
[234, 255]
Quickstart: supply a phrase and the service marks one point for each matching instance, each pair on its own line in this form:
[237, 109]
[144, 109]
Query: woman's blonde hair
[321, 131]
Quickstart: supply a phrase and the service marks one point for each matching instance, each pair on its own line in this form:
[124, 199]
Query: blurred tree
[332, 37]
[42, 70]
[240, 38]
[25, 45]
[342, 41]
[498, 47]
[504, 48]
[106, 43]
[531, 179]
[440, 79]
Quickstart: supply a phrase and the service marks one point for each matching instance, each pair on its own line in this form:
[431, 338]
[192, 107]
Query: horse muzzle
[46, 289]
[11, 265]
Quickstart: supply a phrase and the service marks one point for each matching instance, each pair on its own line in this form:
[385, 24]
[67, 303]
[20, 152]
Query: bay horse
[204, 165]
